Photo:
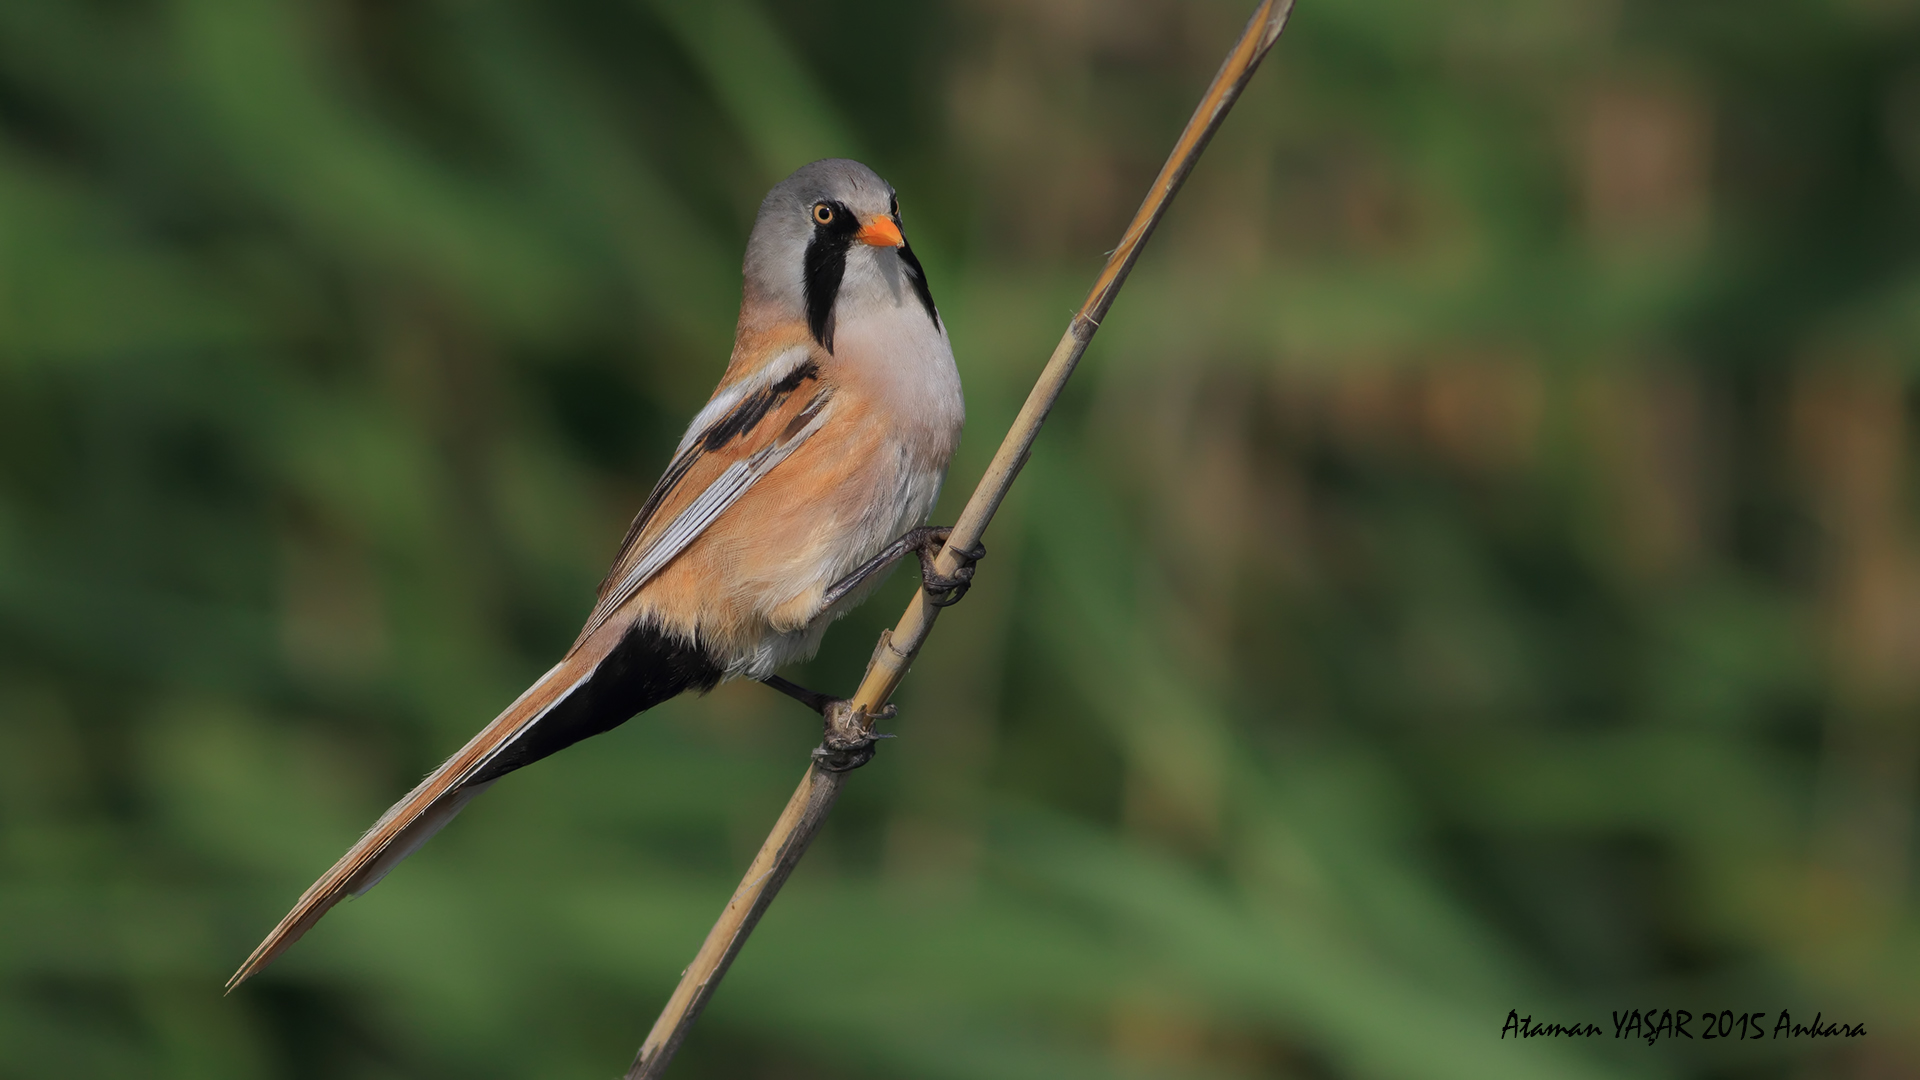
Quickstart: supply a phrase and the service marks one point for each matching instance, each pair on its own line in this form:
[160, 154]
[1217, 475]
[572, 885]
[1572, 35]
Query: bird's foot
[847, 742]
[942, 590]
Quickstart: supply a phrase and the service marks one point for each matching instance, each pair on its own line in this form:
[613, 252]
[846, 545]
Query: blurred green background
[1475, 569]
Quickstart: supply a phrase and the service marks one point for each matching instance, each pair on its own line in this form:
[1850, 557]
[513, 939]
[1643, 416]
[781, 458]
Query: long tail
[591, 691]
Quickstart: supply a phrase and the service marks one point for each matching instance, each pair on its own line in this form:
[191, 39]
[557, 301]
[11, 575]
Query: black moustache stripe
[919, 278]
[825, 265]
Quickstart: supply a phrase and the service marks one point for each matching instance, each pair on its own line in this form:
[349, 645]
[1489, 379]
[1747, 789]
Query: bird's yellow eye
[823, 213]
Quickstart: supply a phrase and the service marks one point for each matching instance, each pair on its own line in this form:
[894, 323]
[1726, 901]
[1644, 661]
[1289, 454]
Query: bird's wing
[748, 429]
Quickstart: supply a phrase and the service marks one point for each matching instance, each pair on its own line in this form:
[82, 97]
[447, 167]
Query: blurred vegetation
[1475, 570]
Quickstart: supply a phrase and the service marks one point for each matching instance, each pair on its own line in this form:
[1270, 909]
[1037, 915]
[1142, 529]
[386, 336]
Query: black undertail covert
[645, 669]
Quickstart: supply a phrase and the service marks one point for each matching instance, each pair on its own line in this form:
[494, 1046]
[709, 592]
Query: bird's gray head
[828, 240]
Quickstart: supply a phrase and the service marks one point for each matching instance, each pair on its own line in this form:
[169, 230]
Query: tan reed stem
[820, 787]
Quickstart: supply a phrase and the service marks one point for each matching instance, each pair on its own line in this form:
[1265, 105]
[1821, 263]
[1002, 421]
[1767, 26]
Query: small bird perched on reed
[808, 473]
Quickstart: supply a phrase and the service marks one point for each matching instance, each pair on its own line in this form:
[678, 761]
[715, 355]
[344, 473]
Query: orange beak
[880, 232]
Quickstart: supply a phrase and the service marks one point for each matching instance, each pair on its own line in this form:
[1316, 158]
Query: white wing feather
[702, 512]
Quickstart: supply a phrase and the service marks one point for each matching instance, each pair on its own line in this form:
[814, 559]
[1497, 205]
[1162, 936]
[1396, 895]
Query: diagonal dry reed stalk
[851, 732]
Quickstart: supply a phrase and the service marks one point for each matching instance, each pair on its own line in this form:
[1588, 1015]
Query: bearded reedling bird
[807, 475]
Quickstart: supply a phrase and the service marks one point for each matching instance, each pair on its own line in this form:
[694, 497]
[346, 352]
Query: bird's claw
[944, 590]
[848, 738]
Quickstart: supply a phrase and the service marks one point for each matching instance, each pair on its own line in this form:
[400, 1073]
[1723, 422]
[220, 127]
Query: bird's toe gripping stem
[847, 738]
[943, 591]
[847, 742]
